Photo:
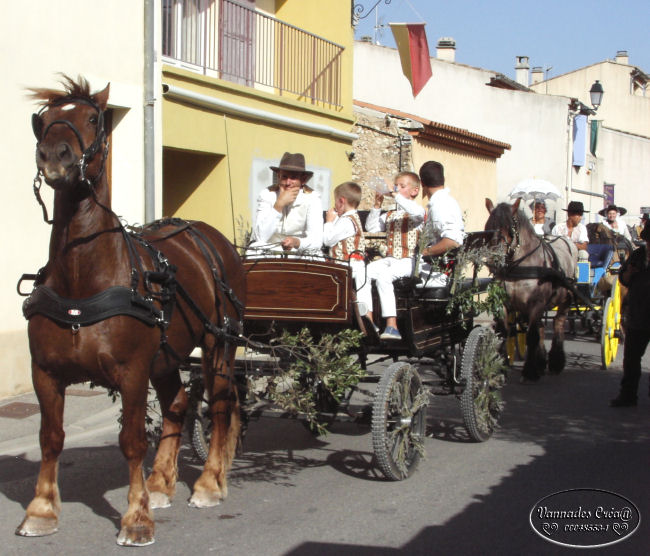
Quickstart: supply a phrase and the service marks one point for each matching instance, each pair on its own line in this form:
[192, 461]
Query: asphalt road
[293, 494]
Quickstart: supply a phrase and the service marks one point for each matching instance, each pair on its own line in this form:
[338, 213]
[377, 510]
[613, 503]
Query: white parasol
[533, 188]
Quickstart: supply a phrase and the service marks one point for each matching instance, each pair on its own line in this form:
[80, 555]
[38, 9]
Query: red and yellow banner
[413, 51]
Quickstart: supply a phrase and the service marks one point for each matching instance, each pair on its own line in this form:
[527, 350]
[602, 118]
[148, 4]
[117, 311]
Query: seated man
[289, 214]
[574, 229]
[444, 228]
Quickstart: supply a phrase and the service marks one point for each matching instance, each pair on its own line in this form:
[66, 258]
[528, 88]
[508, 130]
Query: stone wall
[382, 150]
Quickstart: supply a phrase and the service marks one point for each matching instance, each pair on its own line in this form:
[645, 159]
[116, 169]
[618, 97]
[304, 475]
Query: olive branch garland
[471, 301]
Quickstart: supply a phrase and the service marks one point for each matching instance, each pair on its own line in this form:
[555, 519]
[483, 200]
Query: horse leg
[137, 523]
[211, 486]
[173, 402]
[556, 357]
[42, 515]
[535, 354]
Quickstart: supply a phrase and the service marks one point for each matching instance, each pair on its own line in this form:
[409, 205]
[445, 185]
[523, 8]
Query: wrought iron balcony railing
[234, 42]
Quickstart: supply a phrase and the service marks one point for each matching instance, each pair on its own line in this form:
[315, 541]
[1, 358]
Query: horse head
[503, 223]
[69, 130]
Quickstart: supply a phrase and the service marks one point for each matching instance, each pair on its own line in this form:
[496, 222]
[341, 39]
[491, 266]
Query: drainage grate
[18, 410]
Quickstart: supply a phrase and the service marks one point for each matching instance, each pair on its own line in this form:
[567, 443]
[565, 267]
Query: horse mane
[72, 89]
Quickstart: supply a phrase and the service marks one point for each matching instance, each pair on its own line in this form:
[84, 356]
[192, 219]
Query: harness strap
[117, 300]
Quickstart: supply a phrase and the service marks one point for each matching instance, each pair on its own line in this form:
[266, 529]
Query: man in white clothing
[613, 221]
[289, 215]
[444, 228]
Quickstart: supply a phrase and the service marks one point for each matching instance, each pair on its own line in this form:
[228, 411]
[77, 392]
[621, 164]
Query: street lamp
[596, 94]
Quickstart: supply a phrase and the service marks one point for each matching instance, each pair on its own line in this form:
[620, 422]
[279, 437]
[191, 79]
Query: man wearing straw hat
[289, 214]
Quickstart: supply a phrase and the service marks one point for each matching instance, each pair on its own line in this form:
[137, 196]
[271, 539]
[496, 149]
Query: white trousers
[383, 272]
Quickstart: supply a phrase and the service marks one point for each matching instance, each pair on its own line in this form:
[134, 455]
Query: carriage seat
[600, 254]
[410, 285]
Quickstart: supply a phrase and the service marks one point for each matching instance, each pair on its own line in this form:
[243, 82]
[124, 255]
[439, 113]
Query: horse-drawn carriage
[289, 294]
[125, 308]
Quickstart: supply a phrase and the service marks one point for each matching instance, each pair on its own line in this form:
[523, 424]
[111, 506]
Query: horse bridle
[87, 153]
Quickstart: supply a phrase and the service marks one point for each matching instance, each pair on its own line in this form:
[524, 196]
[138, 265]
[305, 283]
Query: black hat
[576, 207]
[604, 211]
[292, 163]
[645, 233]
[432, 174]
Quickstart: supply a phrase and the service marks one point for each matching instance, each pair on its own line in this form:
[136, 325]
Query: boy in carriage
[402, 227]
[343, 232]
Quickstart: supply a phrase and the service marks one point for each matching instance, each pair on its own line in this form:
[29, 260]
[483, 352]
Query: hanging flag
[595, 126]
[579, 140]
[413, 51]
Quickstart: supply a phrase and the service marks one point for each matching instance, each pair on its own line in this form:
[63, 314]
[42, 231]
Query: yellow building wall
[208, 155]
[462, 170]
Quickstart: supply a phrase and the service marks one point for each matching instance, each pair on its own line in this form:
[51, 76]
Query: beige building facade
[622, 154]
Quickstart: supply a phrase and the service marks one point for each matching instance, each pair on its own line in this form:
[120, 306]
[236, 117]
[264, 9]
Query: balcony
[227, 40]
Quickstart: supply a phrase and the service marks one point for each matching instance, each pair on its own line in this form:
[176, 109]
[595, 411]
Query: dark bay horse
[122, 309]
[536, 273]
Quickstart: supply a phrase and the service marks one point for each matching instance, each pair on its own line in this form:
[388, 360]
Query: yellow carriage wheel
[511, 349]
[521, 343]
[608, 336]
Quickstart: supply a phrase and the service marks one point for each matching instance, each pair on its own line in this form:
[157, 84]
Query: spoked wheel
[399, 421]
[482, 372]
[201, 425]
[201, 421]
[611, 326]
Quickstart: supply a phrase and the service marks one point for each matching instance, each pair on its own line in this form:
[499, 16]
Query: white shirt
[622, 228]
[444, 218]
[376, 222]
[578, 234]
[339, 229]
[302, 219]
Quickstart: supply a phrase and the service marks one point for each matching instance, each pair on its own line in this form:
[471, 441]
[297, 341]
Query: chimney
[521, 70]
[446, 49]
[537, 74]
[622, 57]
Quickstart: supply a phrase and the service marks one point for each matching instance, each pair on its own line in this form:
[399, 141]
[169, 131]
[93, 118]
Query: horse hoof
[204, 500]
[158, 500]
[37, 526]
[139, 535]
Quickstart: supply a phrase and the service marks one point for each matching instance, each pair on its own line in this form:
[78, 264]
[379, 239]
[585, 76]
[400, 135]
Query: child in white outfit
[343, 232]
[402, 227]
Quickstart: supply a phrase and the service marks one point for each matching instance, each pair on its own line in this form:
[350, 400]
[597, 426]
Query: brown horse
[122, 309]
[537, 273]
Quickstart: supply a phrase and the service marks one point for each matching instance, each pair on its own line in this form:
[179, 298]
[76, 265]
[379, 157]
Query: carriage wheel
[201, 425]
[511, 349]
[399, 421]
[611, 326]
[482, 372]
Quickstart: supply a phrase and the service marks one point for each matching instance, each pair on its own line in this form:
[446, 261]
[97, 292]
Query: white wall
[102, 41]
[534, 125]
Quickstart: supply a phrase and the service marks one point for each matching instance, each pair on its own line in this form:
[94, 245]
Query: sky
[557, 35]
